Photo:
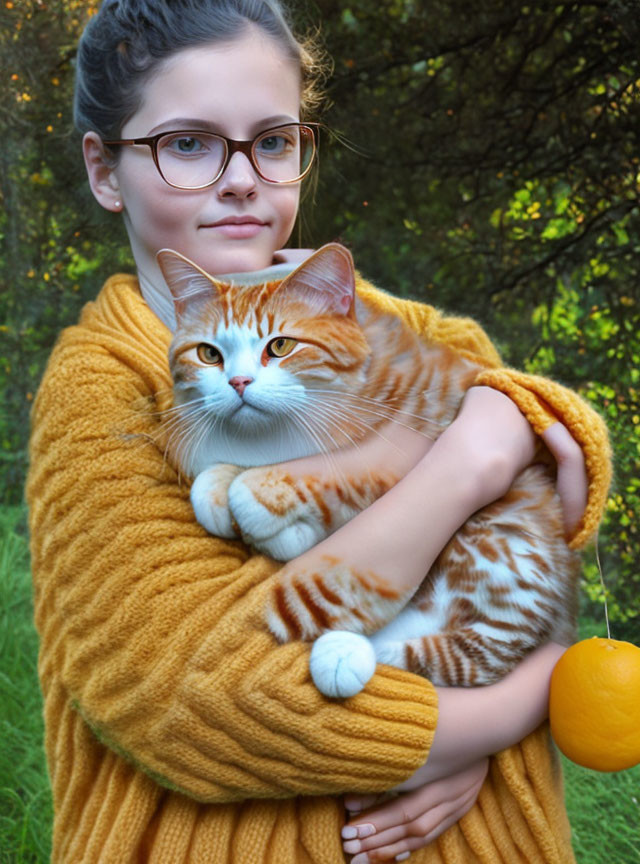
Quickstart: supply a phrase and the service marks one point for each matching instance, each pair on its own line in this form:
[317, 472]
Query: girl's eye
[209, 355]
[184, 146]
[274, 145]
[281, 346]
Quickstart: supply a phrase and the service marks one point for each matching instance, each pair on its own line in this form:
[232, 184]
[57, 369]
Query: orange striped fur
[505, 583]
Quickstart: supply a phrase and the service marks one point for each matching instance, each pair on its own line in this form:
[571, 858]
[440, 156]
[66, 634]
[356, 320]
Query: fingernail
[403, 856]
[360, 859]
[349, 832]
[351, 846]
[365, 830]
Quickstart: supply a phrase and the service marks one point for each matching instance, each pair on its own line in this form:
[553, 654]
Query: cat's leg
[324, 593]
[209, 498]
[284, 515]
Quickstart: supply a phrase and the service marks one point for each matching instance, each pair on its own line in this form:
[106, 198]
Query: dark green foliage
[495, 173]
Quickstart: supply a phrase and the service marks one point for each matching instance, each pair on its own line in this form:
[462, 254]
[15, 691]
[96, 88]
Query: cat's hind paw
[341, 663]
[209, 499]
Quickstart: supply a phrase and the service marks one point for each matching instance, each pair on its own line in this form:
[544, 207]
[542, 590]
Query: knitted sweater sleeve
[541, 400]
[154, 629]
[544, 402]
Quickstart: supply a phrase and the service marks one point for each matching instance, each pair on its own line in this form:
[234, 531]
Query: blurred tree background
[485, 160]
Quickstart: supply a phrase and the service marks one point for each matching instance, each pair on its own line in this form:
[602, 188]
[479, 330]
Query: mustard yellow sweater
[177, 730]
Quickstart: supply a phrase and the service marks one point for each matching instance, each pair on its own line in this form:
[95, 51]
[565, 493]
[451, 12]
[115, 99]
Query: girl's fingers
[413, 834]
[395, 812]
[408, 823]
[572, 481]
[402, 851]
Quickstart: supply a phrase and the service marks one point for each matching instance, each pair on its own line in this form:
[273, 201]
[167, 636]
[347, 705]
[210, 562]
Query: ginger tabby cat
[276, 371]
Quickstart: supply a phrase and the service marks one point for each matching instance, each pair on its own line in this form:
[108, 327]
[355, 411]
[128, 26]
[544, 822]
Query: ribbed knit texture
[177, 730]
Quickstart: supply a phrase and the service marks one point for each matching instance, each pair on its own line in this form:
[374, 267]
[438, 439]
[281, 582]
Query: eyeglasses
[192, 159]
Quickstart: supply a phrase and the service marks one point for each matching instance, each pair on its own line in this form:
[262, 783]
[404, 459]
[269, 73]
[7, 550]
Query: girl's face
[236, 89]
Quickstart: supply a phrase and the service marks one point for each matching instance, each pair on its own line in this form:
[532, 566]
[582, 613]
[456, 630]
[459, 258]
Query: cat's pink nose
[239, 382]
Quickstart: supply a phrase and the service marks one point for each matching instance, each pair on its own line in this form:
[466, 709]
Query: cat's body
[269, 373]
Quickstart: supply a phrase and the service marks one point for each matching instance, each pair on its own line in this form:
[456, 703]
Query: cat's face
[256, 358]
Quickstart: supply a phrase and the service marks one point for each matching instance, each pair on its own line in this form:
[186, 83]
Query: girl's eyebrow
[178, 123]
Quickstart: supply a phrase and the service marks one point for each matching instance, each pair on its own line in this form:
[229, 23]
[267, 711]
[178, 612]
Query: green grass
[604, 809]
[25, 801]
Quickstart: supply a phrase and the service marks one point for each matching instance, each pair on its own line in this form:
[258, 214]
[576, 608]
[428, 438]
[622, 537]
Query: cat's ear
[326, 281]
[185, 279]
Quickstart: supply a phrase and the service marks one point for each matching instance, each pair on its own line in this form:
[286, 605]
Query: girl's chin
[242, 259]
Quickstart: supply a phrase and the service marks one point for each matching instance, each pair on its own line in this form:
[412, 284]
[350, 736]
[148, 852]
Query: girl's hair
[125, 43]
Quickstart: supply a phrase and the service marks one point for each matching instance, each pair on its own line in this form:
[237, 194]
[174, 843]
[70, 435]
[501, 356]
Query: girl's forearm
[473, 462]
[480, 721]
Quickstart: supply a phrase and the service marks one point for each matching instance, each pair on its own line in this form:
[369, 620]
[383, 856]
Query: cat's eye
[281, 346]
[209, 355]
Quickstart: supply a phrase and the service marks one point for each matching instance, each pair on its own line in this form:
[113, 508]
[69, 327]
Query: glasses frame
[232, 145]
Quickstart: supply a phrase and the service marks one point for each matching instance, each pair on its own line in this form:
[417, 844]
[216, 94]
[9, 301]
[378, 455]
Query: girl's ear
[102, 178]
[326, 281]
[185, 279]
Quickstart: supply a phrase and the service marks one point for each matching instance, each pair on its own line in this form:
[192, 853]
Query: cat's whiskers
[180, 423]
[184, 427]
[380, 404]
[314, 411]
[334, 415]
[323, 451]
[386, 416]
[338, 414]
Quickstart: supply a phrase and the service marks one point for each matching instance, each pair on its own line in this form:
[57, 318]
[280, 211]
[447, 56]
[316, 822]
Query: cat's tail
[460, 658]
[341, 663]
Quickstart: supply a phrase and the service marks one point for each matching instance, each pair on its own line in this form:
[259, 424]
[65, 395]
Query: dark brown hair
[126, 42]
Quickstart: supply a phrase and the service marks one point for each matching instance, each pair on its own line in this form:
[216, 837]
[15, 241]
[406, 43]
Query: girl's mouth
[237, 227]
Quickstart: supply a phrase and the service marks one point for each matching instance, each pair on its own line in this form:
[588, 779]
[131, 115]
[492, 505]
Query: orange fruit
[594, 704]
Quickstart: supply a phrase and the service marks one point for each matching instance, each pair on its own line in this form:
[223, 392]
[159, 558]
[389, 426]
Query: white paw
[290, 542]
[341, 663]
[209, 499]
[281, 535]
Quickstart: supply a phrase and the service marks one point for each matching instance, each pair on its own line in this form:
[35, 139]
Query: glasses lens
[284, 154]
[190, 160]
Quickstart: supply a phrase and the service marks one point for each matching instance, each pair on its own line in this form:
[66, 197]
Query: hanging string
[604, 587]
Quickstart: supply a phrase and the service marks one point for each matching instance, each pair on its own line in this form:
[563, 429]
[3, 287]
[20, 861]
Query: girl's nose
[239, 179]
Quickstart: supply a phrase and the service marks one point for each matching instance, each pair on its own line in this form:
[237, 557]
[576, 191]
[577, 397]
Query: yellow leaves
[31, 273]
[46, 277]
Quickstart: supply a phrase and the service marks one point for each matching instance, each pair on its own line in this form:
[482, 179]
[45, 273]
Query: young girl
[177, 729]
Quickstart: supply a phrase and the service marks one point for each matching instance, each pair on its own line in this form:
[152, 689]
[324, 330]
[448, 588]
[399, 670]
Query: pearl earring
[118, 205]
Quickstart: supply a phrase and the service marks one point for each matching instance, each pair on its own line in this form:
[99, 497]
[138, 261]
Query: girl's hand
[413, 819]
[572, 482]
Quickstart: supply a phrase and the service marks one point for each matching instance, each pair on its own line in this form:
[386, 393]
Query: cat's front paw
[271, 515]
[210, 502]
[341, 663]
